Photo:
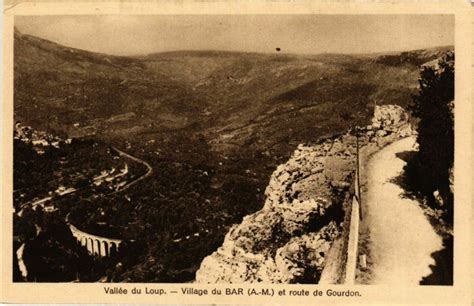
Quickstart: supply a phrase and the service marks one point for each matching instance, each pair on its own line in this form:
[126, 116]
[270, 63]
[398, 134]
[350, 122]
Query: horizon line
[138, 55]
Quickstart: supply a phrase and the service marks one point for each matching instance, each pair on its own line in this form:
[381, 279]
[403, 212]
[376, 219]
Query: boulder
[381, 133]
[389, 117]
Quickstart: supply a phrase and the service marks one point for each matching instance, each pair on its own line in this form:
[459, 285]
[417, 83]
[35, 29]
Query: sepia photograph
[233, 149]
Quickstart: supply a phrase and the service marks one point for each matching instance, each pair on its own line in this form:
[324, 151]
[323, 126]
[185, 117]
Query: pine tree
[434, 106]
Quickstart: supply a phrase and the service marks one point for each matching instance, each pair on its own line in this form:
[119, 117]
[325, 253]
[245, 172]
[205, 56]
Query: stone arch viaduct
[96, 245]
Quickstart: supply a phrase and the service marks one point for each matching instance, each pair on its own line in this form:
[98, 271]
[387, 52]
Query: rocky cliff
[288, 239]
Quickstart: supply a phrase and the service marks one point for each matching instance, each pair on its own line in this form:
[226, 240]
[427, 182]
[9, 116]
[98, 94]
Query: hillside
[215, 124]
[227, 95]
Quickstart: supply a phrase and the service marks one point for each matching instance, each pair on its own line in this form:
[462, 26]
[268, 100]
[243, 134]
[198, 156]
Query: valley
[212, 125]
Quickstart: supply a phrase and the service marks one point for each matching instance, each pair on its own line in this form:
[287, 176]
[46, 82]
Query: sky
[299, 34]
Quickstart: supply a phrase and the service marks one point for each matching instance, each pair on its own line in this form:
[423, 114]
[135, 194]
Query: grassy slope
[233, 115]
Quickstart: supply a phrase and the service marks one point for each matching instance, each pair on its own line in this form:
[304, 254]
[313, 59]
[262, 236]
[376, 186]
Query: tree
[433, 105]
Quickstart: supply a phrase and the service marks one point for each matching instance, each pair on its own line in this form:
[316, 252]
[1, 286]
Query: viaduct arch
[96, 245]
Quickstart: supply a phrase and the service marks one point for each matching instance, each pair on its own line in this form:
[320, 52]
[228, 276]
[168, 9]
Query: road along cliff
[307, 198]
[400, 239]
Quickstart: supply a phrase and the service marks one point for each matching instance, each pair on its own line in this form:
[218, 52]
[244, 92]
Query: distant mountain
[415, 57]
[62, 86]
[229, 95]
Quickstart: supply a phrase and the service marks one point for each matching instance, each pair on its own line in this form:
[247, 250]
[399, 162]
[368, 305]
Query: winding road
[400, 238]
[149, 170]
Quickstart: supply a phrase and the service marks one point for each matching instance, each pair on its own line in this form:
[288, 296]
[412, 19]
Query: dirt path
[400, 239]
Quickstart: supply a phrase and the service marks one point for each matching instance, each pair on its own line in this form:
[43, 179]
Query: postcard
[237, 153]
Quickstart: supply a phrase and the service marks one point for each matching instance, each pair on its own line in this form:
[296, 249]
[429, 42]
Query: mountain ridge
[189, 52]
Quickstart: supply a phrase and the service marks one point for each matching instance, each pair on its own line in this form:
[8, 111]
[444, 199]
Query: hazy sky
[133, 34]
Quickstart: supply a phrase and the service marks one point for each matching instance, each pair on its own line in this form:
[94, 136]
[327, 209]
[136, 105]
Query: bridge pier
[104, 249]
[90, 246]
[97, 247]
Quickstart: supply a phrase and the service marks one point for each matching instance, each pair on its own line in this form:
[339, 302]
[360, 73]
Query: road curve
[401, 239]
[149, 170]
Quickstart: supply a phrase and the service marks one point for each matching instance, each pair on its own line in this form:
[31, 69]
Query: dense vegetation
[54, 255]
[213, 125]
[430, 169]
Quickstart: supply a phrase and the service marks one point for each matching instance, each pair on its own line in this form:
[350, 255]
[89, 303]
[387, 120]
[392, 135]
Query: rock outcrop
[389, 119]
[288, 239]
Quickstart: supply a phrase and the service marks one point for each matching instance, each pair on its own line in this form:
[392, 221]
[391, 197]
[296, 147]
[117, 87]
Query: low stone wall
[341, 260]
[335, 267]
[351, 263]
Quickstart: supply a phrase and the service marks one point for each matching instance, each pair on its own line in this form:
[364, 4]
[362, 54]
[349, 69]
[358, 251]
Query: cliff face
[289, 236]
[288, 240]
